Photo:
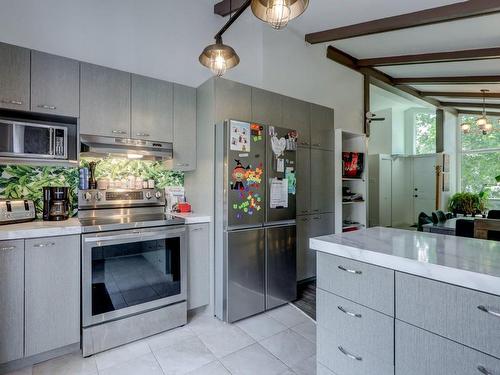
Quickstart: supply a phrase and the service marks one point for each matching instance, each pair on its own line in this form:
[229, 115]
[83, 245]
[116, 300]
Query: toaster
[16, 211]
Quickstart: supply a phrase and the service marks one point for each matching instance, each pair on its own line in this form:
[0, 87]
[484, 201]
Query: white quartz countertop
[468, 262]
[40, 228]
[192, 217]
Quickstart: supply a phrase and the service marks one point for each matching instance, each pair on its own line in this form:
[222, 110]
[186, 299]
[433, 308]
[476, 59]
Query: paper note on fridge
[279, 193]
[240, 136]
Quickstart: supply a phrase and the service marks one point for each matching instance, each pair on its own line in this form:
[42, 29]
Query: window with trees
[480, 161]
[425, 132]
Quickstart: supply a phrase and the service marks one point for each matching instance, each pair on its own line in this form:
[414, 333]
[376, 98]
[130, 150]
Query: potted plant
[468, 203]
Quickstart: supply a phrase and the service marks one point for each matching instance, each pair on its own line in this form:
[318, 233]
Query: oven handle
[124, 236]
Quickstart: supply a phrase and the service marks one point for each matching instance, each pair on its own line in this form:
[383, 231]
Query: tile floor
[279, 342]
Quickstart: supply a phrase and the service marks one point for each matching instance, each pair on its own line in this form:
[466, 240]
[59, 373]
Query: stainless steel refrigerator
[255, 234]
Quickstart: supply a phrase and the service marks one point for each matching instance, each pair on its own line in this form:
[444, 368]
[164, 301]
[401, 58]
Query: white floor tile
[261, 326]
[23, 371]
[213, 368]
[168, 338]
[253, 360]
[307, 330]
[187, 356]
[73, 364]
[288, 315]
[289, 347]
[306, 367]
[145, 365]
[121, 354]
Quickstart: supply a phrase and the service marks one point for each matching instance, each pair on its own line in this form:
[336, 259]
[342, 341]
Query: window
[425, 133]
[480, 158]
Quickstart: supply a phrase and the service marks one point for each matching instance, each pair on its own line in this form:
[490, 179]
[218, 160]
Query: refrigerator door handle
[283, 223]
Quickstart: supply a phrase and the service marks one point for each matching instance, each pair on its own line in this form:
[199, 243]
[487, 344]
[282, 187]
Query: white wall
[381, 133]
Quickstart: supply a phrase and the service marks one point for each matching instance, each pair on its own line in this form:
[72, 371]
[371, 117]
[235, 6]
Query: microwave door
[33, 140]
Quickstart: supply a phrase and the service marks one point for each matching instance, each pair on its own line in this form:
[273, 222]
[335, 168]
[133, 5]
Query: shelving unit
[356, 211]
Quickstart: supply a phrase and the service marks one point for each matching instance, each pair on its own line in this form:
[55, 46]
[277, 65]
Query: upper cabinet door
[55, 84]
[14, 77]
[304, 180]
[104, 101]
[297, 115]
[152, 109]
[322, 127]
[233, 101]
[266, 107]
[184, 128]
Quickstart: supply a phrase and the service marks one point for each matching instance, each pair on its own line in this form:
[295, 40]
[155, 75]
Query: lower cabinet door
[198, 266]
[419, 352]
[52, 293]
[11, 300]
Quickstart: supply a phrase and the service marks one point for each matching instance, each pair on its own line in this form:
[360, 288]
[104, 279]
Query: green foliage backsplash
[26, 182]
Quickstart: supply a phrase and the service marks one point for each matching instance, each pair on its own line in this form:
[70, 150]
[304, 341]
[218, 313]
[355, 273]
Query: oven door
[131, 271]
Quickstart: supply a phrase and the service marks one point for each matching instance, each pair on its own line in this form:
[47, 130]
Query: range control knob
[158, 195]
[98, 195]
[149, 195]
[87, 196]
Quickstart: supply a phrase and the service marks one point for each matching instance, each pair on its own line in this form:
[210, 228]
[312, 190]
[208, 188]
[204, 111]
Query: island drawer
[366, 284]
[344, 358]
[358, 327]
[419, 352]
[469, 317]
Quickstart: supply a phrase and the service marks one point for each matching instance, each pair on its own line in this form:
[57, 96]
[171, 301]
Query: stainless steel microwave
[33, 140]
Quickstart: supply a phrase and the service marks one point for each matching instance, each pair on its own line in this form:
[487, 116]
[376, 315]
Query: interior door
[424, 185]
[245, 257]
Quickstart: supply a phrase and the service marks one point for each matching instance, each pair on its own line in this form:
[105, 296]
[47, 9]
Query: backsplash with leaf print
[26, 181]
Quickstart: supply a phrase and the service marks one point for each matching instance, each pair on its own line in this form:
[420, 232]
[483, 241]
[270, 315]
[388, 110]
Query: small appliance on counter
[176, 199]
[16, 211]
[55, 203]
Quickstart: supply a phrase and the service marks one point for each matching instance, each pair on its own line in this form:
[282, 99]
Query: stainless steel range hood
[92, 145]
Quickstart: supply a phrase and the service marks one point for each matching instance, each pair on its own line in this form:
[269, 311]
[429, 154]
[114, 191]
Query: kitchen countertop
[468, 262]
[192, 217]
[40, 228]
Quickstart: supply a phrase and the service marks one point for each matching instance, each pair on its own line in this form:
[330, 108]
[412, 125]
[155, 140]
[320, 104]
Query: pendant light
[278, 13]
[465, 128]
[219, 57]
[482, 122]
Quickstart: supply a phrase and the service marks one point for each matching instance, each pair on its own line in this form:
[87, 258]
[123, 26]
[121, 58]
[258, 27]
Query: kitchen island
[399, 302]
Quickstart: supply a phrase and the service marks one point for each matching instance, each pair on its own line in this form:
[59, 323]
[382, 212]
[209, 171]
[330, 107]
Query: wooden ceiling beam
[446, 80]
[479, 95]
[477, 113]
[470, 105]
[446, 13]
[226, 7]
[434, 57]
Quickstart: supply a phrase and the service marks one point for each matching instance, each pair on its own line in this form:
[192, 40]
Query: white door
[385, 215]
[424, 183]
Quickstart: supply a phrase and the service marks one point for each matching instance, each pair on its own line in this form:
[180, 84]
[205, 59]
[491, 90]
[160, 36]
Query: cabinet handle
[316, 210]
[46, 244]
[142, 135]
[483, 370]
[486, 310]
[8, 248]
[45, 106]
[196, 229]
[183, 164]
[316, 217]
[316, 144]
[354, 315]
[118, 131]
[304, 143]
[304, 211]
[15, 102]
[305, 219]
[356, 272]
[349, 355]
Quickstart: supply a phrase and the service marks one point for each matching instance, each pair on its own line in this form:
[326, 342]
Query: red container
[184, 207]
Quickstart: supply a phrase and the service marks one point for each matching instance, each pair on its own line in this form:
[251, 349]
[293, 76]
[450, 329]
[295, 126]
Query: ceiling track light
[219, 57]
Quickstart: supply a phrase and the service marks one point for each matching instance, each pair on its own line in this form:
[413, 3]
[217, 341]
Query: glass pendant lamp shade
[219, 58]
[278, 13]
[481, 122]
[465, 127]
[488, 127]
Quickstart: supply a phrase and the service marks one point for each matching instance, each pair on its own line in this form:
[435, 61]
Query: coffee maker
[55, 203]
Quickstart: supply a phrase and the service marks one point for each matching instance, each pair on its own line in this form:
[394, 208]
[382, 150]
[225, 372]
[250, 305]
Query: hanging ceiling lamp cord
[232, 18]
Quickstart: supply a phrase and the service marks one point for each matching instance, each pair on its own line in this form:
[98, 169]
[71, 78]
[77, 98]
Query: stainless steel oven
[33, 140]
[127, 272]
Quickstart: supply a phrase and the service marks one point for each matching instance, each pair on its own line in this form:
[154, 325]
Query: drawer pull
[349, 355]
[483, 370]
[486, 310]
[7, 248]
[356, 272]
[46, 244]
[143, 135]
[183, 164]
[118, 131]
[354, 315]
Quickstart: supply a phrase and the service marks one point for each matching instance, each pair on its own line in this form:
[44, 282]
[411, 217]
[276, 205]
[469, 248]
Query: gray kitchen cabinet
[11, 300]
[233, 101]
[297, 115]
[152, 109]
[104, 101]
[322, 127]
[198, 266]
[322, 181]
[266, 107]
[52, 293]
[184, 128]
[304, 180]
[14, 77]
[55, 84]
